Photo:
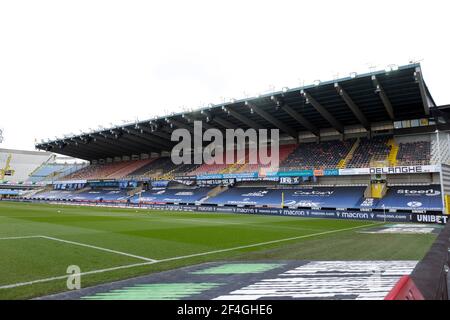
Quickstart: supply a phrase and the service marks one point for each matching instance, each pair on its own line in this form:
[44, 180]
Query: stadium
[356, 209]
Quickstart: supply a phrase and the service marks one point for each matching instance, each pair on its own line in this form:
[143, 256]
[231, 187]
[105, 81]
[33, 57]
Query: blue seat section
[171, 195]
[9, 192]
[106, 195]
[91, 195]
[412, 198]
[54, 195]
[398, 197]
[345, 197]
[50, 169]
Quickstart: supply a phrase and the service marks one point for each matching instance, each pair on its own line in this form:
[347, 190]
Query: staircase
[31, 193]
[82, 190]
[235, 167]
[213, 192]
[134, 191]
[343, 162]
[392, 157]
[168, 175]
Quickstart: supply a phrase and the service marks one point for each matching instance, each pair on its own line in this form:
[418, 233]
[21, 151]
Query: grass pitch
[38, 242]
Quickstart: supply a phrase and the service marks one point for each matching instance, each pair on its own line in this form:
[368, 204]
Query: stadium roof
[387, 95]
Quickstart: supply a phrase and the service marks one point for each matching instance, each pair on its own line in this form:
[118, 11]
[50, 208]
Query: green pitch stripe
[235, 268]
[157, 291]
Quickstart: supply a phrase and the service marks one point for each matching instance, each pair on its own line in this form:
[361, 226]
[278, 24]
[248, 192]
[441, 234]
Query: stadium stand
[97, 195]
[176, 195]
[412, 197]
[285, 151]
[155, 167]
[375, 149]
[17, 165]
[113, 170]
[349, 197]
[242, 164]
[323, 155]
[403, 132]
[52, 171]
[414, 153]
[129, 168]
[346, 197]
[220, 168]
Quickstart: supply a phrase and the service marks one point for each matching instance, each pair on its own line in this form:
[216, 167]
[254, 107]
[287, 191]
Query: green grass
[178, 239]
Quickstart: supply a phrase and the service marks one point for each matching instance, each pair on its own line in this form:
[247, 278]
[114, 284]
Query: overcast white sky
[71, 65]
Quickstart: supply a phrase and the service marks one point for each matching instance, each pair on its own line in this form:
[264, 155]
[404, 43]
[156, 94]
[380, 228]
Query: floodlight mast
[1, 135]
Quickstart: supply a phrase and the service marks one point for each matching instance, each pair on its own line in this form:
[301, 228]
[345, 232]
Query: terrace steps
[392, 157]
[343, 162]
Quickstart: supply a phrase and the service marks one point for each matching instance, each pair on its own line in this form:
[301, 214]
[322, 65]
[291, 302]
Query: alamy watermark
[250, 146]
[74, 278]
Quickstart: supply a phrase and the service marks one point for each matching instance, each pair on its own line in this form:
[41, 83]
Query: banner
[405, 169]
[429, 218]
[354, 171]
[160, 183]
[289, 180]
[311, 213]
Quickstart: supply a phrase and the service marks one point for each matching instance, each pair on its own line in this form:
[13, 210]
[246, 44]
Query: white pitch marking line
[21, 284]
[82, 245]
[99, 248]
[9, 286]
[17, 238]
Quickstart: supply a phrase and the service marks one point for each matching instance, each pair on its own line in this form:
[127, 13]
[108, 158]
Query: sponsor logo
[313, 193]
[427, 192]
[261, 193]
[369, 202]
[184, 193]
[353, 215]
[428, 218]
[414, 204]
[291, 203]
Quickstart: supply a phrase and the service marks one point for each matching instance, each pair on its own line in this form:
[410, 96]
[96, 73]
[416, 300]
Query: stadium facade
[370, 146]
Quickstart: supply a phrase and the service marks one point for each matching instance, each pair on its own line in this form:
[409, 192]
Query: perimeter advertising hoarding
[332, 214]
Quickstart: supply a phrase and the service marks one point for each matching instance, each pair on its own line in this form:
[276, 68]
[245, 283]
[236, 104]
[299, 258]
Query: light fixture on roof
[391, 67]
[316, 82]
[353, 75]
[285, 89]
